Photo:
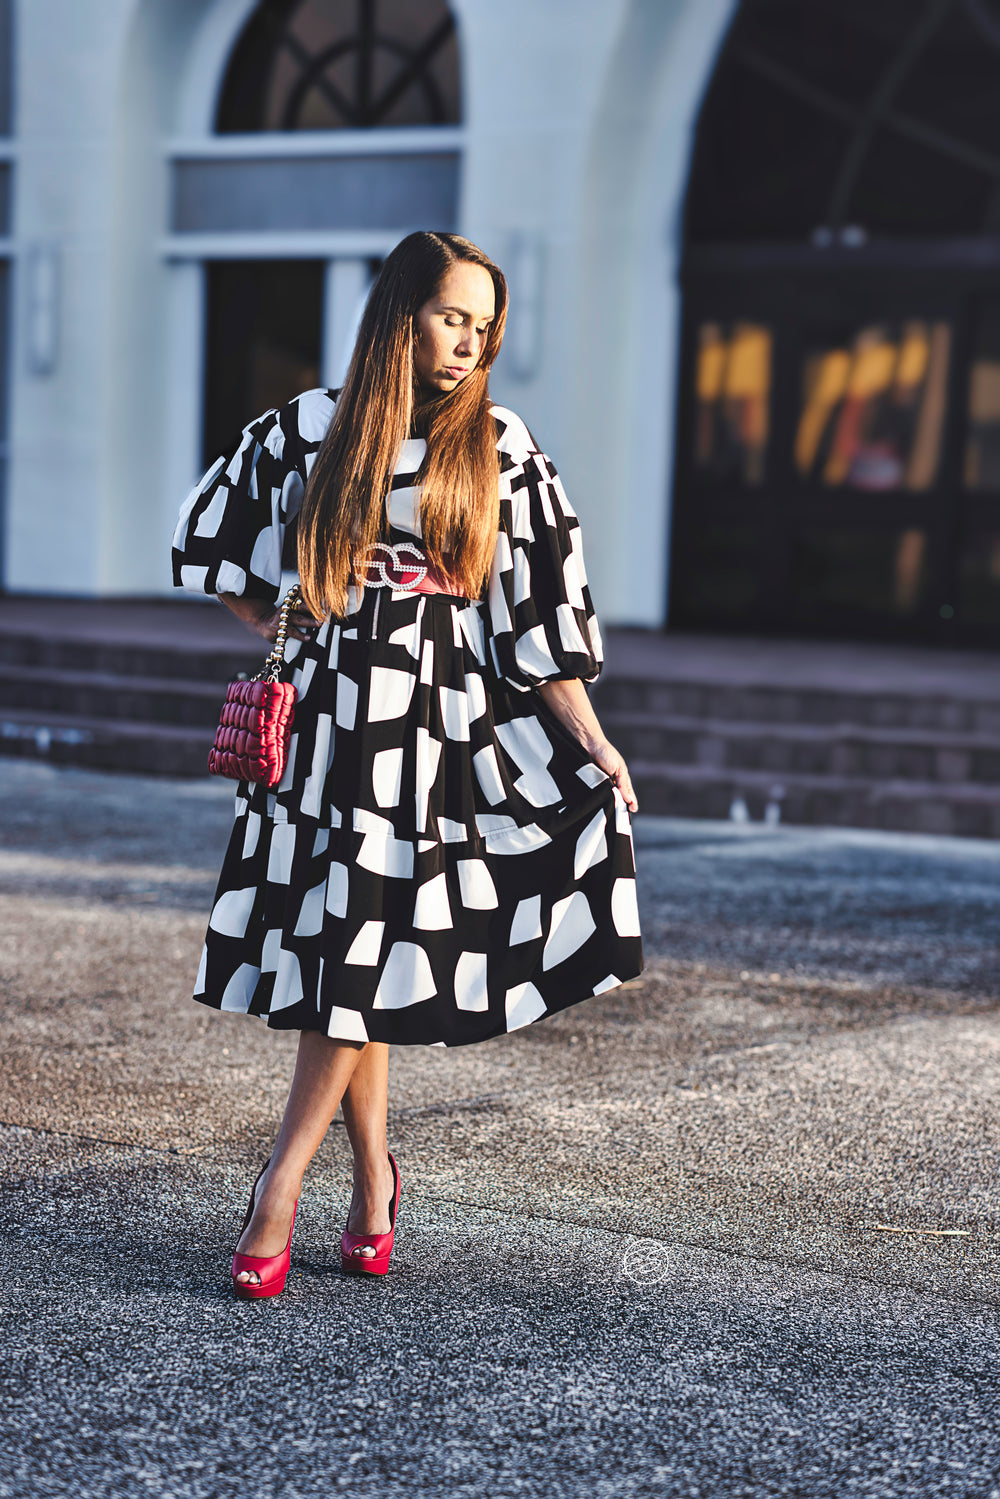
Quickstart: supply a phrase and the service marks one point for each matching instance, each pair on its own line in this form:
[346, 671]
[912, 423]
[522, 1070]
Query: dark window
[872, 407]
[844, 574]
[878, 114]
[979, 579]
[982, 448]
[732, 401]
[336, 64]
[720, 582]
[264, 329]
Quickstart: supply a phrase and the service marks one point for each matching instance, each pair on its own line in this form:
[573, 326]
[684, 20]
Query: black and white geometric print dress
[441, 862]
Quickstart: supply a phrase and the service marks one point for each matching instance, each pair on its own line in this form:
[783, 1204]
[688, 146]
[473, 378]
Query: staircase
[118, 685]
[855, 735]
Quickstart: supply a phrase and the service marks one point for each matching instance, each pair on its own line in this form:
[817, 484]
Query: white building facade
[179, 169]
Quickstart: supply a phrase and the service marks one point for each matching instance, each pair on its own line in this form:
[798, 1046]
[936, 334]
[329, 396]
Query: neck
[426, 404]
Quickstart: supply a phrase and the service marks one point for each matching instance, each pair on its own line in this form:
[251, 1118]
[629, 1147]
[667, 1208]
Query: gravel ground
[649, 1247]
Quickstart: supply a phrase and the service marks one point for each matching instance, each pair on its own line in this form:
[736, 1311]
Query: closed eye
[453, 322]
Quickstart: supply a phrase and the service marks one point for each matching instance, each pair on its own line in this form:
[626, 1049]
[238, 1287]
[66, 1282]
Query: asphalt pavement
[730, 1230]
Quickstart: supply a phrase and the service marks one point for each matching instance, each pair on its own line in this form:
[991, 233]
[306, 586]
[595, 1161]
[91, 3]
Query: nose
[467, 342]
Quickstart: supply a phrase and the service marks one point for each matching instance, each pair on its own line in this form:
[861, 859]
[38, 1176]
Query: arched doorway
[334, 130]
[838, 465]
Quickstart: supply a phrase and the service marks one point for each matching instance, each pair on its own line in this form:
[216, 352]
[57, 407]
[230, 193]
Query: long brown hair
[343, 508]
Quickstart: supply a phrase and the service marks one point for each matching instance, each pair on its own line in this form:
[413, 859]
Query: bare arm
[259, 615]
[571, 705]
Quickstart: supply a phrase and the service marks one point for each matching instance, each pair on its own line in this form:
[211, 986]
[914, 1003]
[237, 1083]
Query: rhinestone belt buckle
[387, 560]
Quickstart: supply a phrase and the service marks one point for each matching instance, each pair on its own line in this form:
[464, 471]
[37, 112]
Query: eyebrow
[483, 317]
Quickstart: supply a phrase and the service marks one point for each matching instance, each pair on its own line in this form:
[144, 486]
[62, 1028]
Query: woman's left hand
[612, 762]
[567, 699]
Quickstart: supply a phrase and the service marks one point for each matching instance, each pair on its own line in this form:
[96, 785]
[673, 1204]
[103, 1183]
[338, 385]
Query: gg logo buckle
[390, 568]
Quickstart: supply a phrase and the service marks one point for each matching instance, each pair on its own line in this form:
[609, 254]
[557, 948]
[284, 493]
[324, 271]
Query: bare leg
[365, 1105]
[323, 1070]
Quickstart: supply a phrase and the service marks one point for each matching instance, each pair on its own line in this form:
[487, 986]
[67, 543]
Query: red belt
[404, 566]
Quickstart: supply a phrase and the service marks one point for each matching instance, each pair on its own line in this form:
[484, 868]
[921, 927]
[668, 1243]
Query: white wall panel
[66, 80]
[578, 134]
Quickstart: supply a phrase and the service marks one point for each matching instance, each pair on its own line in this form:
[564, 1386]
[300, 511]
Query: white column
[185, 383]
[345, 288]
[529, 107]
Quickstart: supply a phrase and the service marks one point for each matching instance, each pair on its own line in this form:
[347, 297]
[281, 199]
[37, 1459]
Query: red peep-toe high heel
[271, 1272]
[377, 1263]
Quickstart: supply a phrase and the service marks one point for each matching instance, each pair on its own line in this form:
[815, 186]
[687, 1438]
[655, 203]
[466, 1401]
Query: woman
[448, 855]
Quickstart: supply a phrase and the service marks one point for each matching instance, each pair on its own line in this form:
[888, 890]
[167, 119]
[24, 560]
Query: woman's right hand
[264, 618]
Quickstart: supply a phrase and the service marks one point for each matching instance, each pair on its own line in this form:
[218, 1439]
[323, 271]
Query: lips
[455, 372]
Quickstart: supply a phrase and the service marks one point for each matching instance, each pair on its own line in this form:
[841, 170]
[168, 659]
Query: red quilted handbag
[251, 742]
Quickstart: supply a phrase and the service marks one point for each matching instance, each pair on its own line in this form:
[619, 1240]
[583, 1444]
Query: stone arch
[638, 159]
[218, 32]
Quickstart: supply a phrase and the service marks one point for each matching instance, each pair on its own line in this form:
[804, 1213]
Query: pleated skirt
[441, 863]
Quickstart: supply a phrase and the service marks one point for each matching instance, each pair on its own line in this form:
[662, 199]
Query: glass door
[823, 466]
[870, 496]
[978, 560]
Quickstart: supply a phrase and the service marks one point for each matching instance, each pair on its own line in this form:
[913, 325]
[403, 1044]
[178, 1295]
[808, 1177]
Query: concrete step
[105, 695]
[832, 801]
[840, 750]
[768, 703]
[105, 744]
[851, 735]
[194, 661]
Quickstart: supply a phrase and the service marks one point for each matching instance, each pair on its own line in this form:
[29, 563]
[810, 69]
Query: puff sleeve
[231, 529]
[541, 621]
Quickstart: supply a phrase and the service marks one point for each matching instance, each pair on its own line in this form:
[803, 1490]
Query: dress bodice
[403, 501]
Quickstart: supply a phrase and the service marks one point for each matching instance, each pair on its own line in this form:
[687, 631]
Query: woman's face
[450, 329]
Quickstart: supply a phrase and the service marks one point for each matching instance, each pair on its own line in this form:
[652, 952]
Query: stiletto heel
[377, 1263]
[271, 1272]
